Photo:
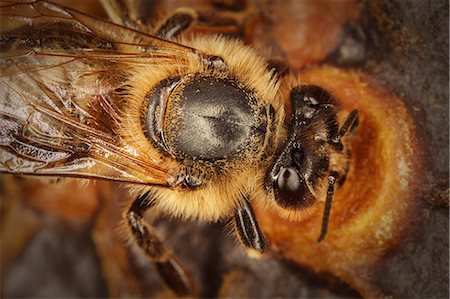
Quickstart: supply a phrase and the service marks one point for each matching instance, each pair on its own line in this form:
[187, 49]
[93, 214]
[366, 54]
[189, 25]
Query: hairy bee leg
[169, 267]
[124, 12]
[178, 279]
[176, 24]
[248, 228]
[327, 209]
[113, 11]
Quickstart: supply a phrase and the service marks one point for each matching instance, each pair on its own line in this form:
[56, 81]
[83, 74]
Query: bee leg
[124, 13]
[176, 24]
[327, 210]
[169, 267]
[248, 228]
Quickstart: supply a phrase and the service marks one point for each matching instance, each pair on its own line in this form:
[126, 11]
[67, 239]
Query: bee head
[304, 158]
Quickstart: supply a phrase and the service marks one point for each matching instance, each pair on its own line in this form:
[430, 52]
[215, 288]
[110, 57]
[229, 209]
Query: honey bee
[198, 127]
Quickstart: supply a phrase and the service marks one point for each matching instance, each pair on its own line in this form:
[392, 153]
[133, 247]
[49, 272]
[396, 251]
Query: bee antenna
[327, 209]
[349, 125]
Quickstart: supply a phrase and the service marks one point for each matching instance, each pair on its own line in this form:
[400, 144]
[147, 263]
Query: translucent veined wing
[42, 28]
[60, 71]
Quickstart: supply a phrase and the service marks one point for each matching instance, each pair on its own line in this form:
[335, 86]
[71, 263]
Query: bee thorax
[204, 118]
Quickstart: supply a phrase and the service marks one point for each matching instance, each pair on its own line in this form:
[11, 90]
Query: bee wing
[41, 28]
[59, 76]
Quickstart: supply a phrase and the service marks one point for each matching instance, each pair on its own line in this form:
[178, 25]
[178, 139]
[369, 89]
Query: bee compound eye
[290, 189]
